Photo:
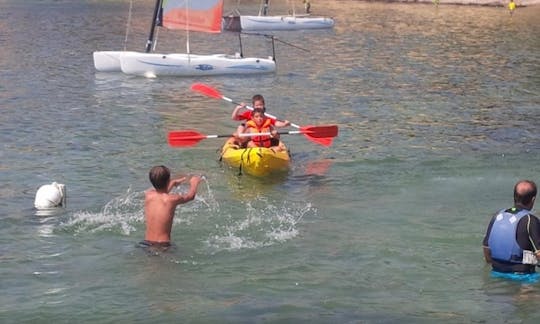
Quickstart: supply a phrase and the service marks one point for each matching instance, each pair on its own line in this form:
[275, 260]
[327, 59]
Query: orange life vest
[263, 140]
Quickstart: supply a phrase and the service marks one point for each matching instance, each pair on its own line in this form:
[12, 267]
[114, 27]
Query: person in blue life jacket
[512, 240]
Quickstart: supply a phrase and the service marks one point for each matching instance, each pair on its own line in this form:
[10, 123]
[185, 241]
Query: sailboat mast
[265, 8]
[150, 40]
[187, 29]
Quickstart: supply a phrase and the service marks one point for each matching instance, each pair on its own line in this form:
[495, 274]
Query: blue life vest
[502, 238]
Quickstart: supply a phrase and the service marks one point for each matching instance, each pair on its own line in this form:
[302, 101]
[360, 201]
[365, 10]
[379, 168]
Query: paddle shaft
[202, 136]
[251, 108]
[323, 134]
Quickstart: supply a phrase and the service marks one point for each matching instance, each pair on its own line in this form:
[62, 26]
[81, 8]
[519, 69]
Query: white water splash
[119, 214]
[262, 224]
[124, 213]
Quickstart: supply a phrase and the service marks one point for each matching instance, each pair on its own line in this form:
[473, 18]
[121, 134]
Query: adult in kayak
[258, 103]
[512, 241]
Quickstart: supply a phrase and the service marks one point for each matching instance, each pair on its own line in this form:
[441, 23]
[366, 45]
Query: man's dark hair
[526, 196]
[159, 177]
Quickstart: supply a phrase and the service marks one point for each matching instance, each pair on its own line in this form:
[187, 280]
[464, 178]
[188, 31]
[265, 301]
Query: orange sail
[194, 15]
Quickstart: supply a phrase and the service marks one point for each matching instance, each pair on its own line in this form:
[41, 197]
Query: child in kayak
[259, 123]
[257, 102]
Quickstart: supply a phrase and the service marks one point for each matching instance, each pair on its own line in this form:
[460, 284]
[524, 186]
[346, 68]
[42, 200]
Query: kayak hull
[259, 161]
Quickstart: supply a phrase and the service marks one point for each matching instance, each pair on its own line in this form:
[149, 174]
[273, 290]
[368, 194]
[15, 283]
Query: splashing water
[124, 212]
[262, 224]
[119, 214]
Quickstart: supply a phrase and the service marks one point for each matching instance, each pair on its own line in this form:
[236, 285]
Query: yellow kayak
[258, 161]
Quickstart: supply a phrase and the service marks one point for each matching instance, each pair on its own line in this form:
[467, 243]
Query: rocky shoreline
[494, 3]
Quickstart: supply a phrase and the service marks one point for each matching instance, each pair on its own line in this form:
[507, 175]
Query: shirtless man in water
[160, 204]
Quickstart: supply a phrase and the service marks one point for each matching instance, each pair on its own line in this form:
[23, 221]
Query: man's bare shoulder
[150, 193]
[164, 196]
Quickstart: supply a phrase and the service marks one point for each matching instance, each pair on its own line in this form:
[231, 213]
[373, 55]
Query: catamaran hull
[152, 64]
[108, 61]
[256, 23]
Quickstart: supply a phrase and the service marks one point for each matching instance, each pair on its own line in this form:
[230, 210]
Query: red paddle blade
[324, 141]
[184, 138]
[206, 90]
[323, 135]
[320, 131]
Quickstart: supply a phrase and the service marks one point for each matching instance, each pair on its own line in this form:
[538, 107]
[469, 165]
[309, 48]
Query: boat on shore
[258, 161]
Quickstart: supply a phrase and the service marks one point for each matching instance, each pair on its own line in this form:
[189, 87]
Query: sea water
[438, 113]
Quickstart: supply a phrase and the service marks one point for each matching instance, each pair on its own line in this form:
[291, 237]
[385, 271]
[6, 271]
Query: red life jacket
[263, 140]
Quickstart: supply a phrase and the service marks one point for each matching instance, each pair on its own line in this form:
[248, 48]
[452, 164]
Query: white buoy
[50, 196]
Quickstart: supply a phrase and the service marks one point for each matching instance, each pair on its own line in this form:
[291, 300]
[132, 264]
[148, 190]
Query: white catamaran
[195, 15]
[264, 22]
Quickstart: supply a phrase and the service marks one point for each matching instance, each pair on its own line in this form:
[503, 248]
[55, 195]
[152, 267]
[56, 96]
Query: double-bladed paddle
[191, 137]
[214, 93]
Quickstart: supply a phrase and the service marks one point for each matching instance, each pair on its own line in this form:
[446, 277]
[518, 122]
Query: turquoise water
[438, 110]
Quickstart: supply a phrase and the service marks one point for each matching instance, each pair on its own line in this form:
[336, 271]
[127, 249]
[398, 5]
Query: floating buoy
[50, 196]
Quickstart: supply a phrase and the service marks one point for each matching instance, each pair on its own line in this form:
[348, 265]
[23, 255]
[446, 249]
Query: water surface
[438, 116]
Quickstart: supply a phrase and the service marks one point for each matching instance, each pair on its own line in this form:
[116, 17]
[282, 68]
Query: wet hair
[525, 197]
[257, 97]
[159, 176]
[257, 110]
